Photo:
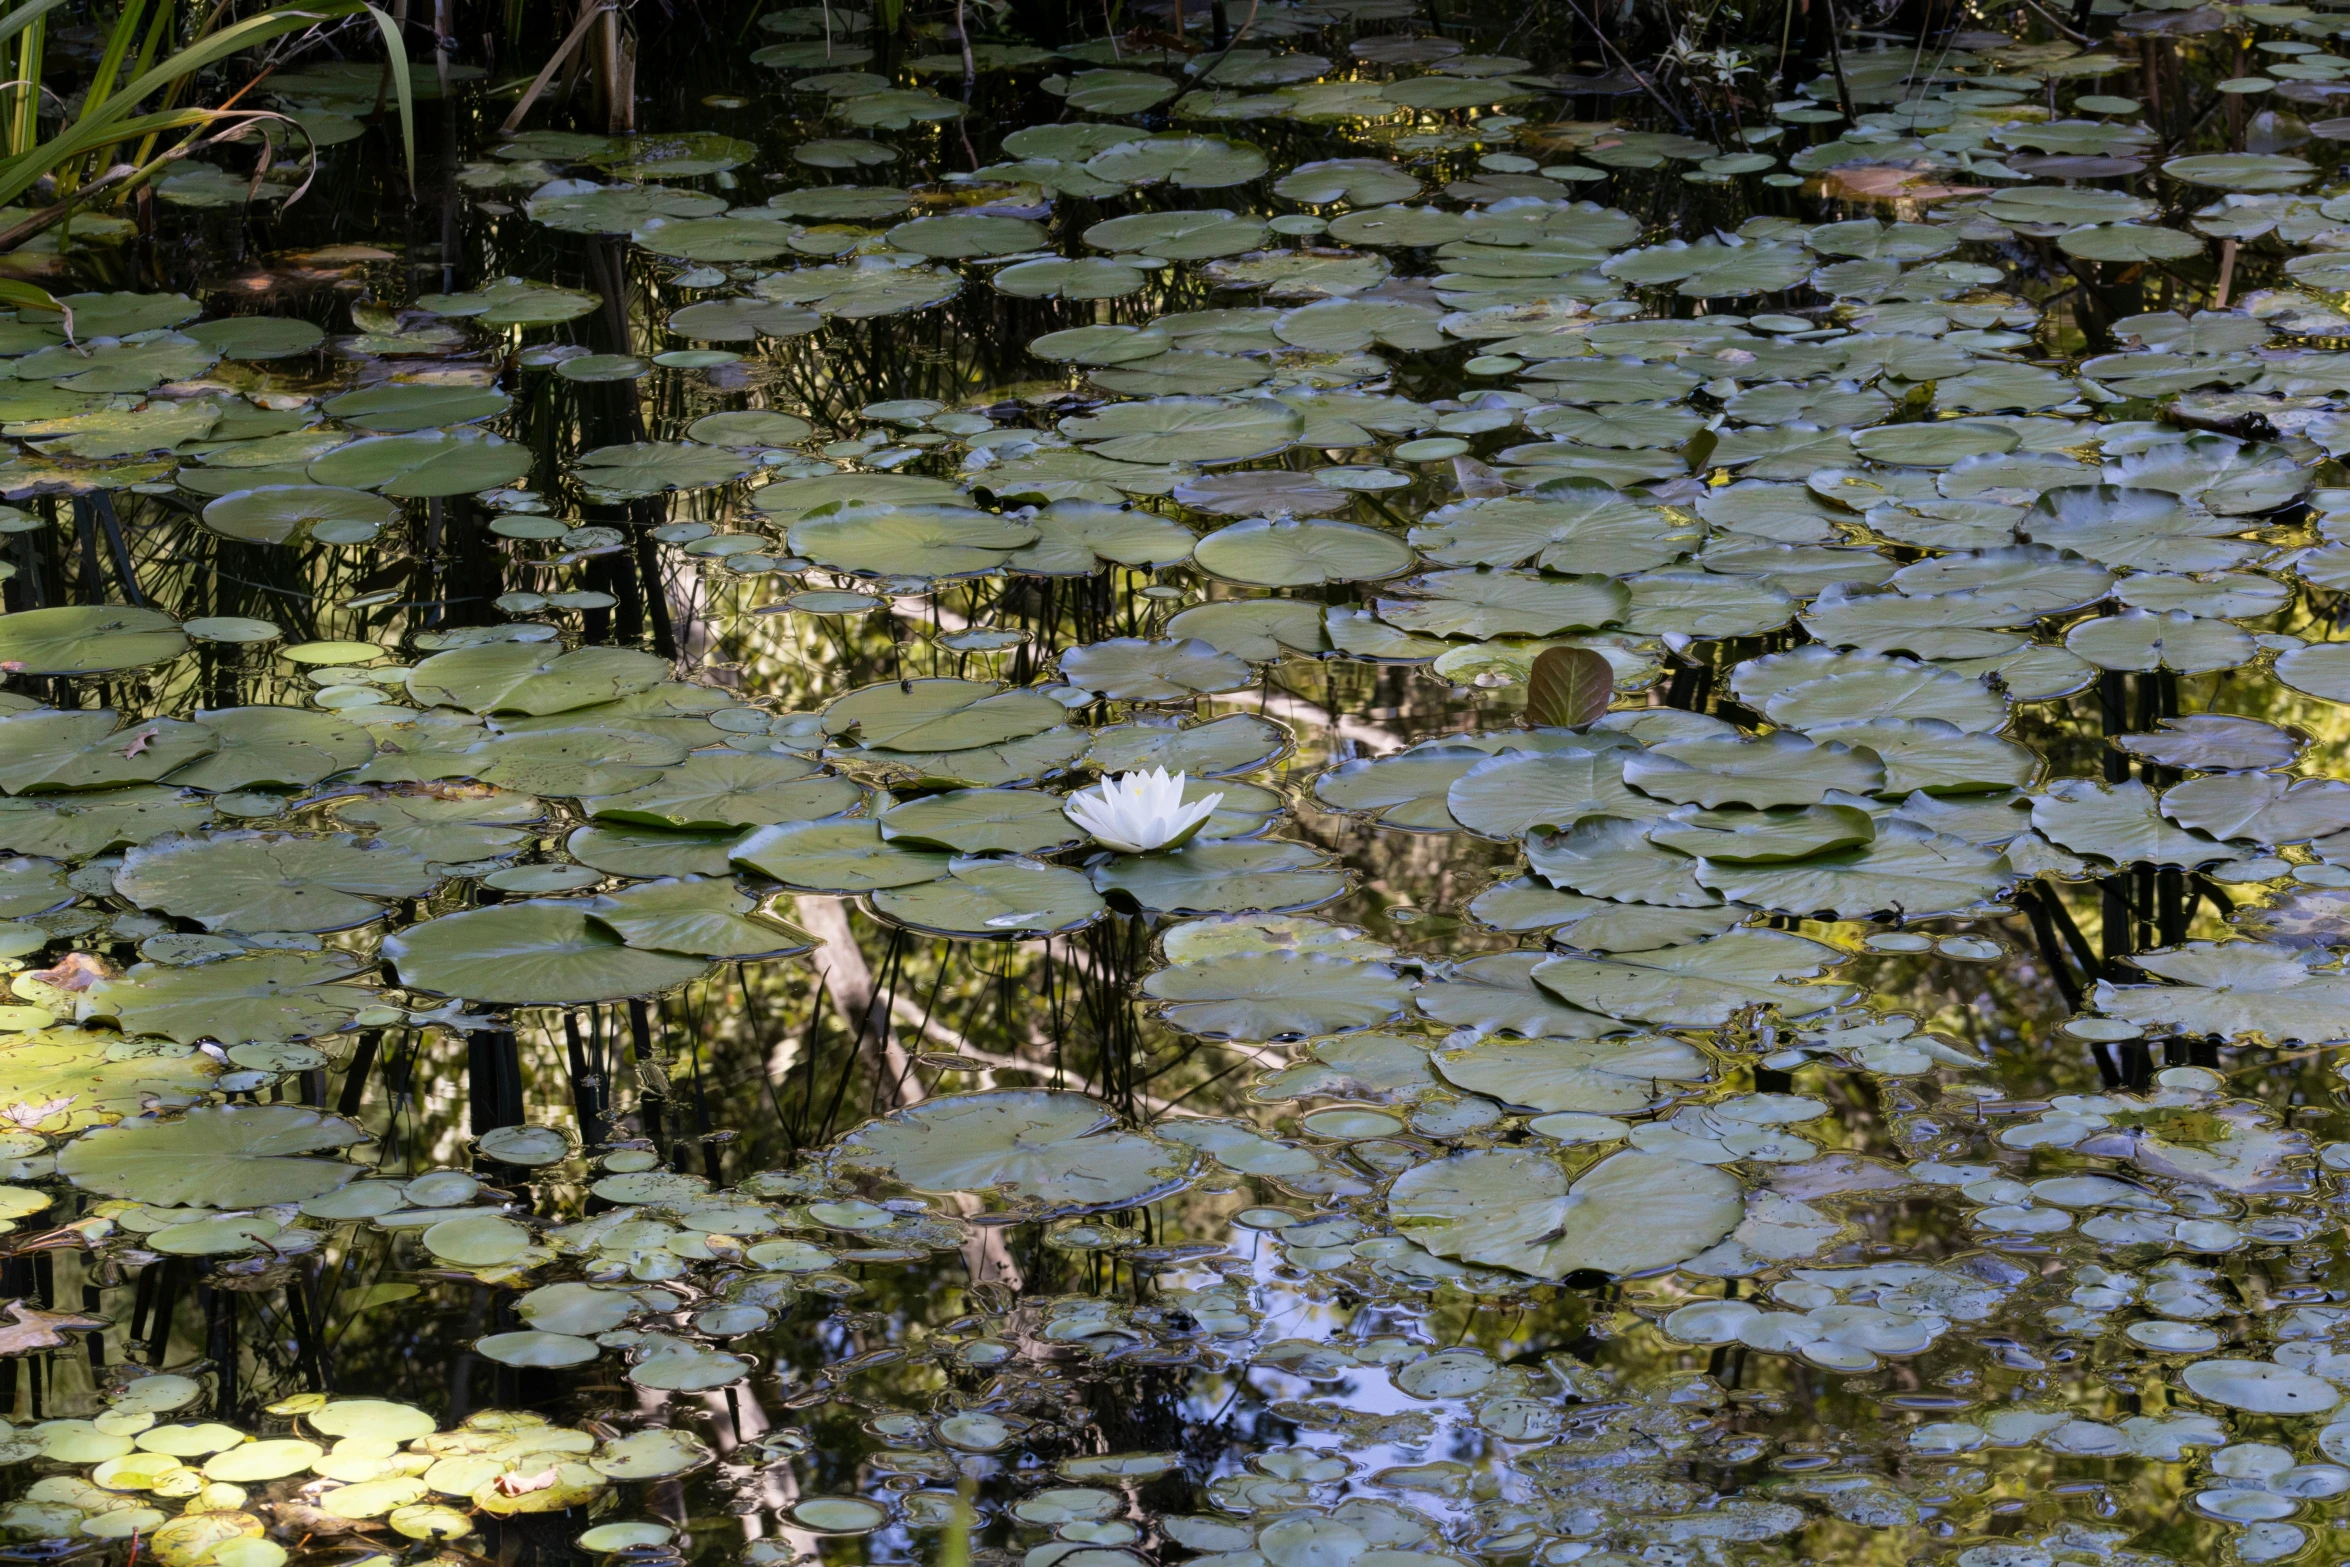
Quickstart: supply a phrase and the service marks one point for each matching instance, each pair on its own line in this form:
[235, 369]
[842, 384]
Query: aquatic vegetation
[1316, 786]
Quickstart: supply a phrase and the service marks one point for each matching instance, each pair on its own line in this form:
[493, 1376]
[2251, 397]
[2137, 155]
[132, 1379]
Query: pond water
[1740, 962]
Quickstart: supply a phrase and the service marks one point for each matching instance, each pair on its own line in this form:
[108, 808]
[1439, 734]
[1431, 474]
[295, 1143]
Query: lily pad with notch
[1619, 1076]
[1134, 669]
[625, 849]
[927, 542]
[429, 464]
[260, 997]
[939, 715]
[843, 858]
[532, 678]
[1039, 1152]
[981, 821]
[43, 750]
[1285, 552]
[1220, 748]
[699, 916]
[91, 639]
[1276, 995]
[717, 790]
[1781, 768]
[1221, 876]
[300, 514]
[272, 881]
[994, 899]
[536, 952]
[216, 1156]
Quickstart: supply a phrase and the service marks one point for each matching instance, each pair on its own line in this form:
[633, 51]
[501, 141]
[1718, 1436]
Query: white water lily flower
[1139, 813]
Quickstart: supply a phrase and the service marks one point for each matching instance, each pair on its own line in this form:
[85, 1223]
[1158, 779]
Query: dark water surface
[1759, 987]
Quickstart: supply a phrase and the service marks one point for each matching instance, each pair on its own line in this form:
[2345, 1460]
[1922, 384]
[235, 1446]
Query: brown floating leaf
[75, 971]
[36, 1329]
[1882, 182]
[1568, 688]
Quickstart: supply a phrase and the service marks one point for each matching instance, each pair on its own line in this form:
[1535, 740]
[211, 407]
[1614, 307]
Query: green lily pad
[981, 821]
[716, 790]
[698, 916]
[1179, 236]
[740, 320]
[996, 899]
[624, 849]
[931, 542]
[1085, 278]
[715, 238]
[76, 826]
[1908, 870]
[2129, 242]
[748, 428]
[1259, 630]
[897, 110]
[1039, 1151]
[1188, 429]
[1219, 876]
[300, 514]
[1113, 91]
[131, 366]
[1302, 552]
[1778, 769]
[640, 469]
[512, 302]
[531, 953]
[961, 234]
[1702, 984]
[2241, 170]
[1594, 1076]
[1276, 995]
[399, 408]
[1360, 182]
[1076, 538]
[1518, 1209]
[1134, 669]
[939, 715]
[87, 639]
[1487, 604]
[443, 462]
[1236, 743]
[1575, 524]
[218, 1156]
[44, 750]
[263, 881]
[837, 857]
[1189, 162]
[535, 678]
[585, 207]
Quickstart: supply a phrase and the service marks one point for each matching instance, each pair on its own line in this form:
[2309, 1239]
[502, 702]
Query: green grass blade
[17, 21]
[119, 39]
[101, 126]
[396, 53]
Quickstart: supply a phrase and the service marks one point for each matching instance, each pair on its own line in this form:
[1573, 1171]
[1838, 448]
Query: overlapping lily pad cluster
[1411, 383]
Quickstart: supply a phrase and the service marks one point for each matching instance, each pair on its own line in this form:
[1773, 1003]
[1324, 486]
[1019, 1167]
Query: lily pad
[1040, 1152]
[300, 514]
[88, 640]
[1211, 876]
[264, 881]
[994, 899]
[531, 953]
[1518, 1209]
[219, 1156]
